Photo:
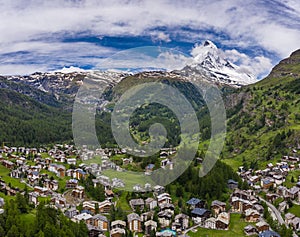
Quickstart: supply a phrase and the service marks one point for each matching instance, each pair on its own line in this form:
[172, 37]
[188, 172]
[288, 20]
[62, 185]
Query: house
[293, 192]
[195, 203]
[150, 226]
[98, 221]
[15, 174]
[109, 194]
[33, 198]
[166, 233]
[250, 230]
[81, 217]
[232, 184]
[288, 217]
[210, 223]
[134, 222]
[151, 203]
[217, 207]
[117, 232]
[72, 183]
[267, 183]
[58, 201]
[137, 204]
[78, 192]
[296, 224]
[79, 174]
[164, 198]
[167, 207]
[262, 226]
[71, 161]
[147, 216]
[268, 233]
[223, 220]
[199, 215]
[104, 207]
[158, 190]
[164, 218]
[182, 220]
[118, 224]
[251, 215]
[71, 212]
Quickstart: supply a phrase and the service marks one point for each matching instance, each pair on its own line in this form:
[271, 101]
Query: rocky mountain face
[211, 64]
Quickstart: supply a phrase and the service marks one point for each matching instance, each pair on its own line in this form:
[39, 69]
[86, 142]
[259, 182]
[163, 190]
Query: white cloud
[272, 25]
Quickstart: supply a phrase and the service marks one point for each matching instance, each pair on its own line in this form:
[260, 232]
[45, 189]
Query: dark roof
[231, 181]
[199, 211]
[269, 233]
[193, 201]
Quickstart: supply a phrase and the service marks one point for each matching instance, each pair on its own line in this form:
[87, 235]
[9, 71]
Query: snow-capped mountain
[210, 62]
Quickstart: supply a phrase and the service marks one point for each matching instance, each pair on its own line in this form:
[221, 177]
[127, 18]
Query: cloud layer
[42, 35]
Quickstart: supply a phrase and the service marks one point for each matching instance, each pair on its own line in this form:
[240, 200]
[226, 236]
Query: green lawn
[129, 178]
[236, 229]
[295, 174]
[4, 173]
[295, 209]
[122, 202]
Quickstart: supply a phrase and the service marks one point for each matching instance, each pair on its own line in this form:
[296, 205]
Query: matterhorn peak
[211, 61]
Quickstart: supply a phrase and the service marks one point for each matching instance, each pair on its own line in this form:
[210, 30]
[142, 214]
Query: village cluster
[56, 176]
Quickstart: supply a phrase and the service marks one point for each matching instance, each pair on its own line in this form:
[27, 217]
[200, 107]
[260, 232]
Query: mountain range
[263, 117]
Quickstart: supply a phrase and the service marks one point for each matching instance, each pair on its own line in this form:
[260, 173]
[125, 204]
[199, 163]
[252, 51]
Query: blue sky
[41, 35]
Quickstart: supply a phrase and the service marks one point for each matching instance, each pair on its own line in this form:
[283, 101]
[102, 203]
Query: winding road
[275, 211]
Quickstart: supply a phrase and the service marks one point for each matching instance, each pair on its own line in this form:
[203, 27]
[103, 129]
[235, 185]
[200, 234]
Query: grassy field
[236, 229]
[288, 183]
[295, 209]
[130, 178]
[4, 173]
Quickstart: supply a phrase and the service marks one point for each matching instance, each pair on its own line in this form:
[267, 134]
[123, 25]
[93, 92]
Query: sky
[45, 35]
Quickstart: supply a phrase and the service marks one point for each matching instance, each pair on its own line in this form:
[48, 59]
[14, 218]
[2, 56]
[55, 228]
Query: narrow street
[275, 212]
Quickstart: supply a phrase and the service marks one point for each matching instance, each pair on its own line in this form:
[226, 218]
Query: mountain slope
[264, 118]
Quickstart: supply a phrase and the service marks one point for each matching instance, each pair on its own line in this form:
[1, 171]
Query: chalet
[182, 220]
[210, 223]
[218, 207]
[271, 197]
[51, 184]
[137, 204]
[164, 218]
[262, 226]
[150, 226]
[41, 191]
[158, 190]
[296, 224]
[195, 203]
[58, 201]
[222, 221]
[71, 161]
[250, 230]
[267, 183]
[164, 198]
[98, 221]
[15, 174]
[268, 233]
[81, 217]
[72, 183]
[279, 179]
[117, 232]
[251, 215]
[294, 192]
[232, 184]
[118, 224]
[104, 207]
[167, 207]
[240, 205]
[109, 194]
[151, 203]
[199, 215]
[79, 174]
[71, 212]
[147, 216]
[8, 164]
[33, 198]
[134, 222]
[78, 192]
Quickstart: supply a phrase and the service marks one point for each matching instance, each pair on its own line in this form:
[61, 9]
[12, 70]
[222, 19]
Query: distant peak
[208, 43]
